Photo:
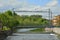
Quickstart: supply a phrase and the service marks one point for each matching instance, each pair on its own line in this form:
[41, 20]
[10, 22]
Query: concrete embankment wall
[56, 30]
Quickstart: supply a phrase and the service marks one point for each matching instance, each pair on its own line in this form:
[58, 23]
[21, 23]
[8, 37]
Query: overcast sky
[54, 5]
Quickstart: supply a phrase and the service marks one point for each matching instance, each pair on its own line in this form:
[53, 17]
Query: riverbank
[32, 31]
[38, 30]
[3, 35]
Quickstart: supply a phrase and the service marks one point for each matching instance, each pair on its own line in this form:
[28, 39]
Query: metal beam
[37, 11]
[33, 11]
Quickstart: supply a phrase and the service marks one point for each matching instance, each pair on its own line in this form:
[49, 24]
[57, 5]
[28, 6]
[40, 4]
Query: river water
[25, 29]
[20, 36]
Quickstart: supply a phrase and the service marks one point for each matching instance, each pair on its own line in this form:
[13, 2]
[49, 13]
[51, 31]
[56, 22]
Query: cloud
[13, 3]
[52, 3]
[23, 5]
[1, 5]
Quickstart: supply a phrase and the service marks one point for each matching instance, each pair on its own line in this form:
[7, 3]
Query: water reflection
[32, 37]
[20, 36]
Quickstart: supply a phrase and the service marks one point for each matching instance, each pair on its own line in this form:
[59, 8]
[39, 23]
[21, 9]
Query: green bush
[5, 28]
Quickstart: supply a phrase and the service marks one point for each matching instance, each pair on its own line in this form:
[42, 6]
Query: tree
[8, 19]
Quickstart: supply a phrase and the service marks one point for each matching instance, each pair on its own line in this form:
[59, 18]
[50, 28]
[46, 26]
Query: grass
[38, 30]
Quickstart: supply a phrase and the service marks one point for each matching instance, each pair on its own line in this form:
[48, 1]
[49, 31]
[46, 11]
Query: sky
[54, 5]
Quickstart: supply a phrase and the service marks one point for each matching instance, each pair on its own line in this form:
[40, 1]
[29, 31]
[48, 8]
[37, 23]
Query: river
[20, 36]
[25, 29]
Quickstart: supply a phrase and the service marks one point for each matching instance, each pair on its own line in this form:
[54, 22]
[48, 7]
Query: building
[56, 21]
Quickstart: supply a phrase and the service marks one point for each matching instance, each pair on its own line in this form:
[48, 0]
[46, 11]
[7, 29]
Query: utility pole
[13, 11]
[50, 18]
